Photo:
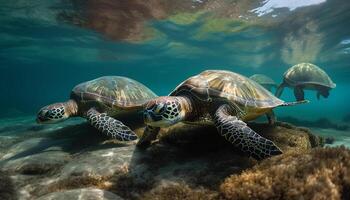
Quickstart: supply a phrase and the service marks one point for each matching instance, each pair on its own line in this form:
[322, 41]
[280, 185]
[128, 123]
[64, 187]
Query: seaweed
[322, 173]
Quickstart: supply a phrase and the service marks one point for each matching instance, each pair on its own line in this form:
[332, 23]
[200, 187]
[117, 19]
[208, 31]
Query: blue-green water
[49, 46]
[45, 51]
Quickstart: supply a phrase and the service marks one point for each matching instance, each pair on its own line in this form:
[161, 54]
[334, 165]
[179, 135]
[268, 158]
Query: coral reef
[322, 173]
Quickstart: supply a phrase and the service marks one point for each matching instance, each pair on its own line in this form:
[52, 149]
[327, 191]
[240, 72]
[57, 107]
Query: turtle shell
[213, 84]
[262, 79]
[113, 91]
[307, 74]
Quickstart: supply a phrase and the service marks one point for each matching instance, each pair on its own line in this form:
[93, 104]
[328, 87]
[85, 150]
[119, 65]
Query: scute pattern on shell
[307, 73]
[114, 91]
[212, 84]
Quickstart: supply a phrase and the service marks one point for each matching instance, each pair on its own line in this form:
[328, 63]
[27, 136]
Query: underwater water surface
[48, 47]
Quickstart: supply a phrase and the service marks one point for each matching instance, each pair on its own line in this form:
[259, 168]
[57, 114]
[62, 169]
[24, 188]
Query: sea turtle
[223, 98]
[99, 101]
[306, 76]
[265, 81]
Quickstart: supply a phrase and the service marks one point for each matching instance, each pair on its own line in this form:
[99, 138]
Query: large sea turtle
[306, 76]
[99, 101]
[265, 81]
[223, 98]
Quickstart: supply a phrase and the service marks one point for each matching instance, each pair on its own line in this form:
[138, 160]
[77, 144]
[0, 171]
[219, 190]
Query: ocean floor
[71, 160]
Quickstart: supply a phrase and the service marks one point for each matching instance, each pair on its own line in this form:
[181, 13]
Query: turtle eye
[49, 114]
[161, 110]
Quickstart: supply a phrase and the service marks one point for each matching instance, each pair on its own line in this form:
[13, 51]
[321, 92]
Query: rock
[321, 173]
[99, 163]
[35, 156]
[86, 193]
[40, 163]
[286, 136]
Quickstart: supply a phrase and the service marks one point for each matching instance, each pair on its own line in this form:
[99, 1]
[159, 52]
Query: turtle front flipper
[238, 133]
[110, 126]
[148, 136]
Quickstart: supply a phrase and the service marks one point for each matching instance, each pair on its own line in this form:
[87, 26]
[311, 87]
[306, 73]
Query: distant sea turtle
[306, 76]
[265, 81]
[100, 100]
[218, 97]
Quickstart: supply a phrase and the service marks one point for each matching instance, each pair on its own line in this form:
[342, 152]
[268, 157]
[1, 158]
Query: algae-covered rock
[178, 191]
[86, 193]
[321, 173]
[286, 136]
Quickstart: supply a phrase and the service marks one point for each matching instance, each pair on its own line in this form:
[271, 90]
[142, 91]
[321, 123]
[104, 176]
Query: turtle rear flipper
[238, 133]
[299, 94]
[110, 126]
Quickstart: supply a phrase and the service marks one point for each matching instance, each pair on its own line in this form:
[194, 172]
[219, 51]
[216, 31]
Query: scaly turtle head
[56, 112]
[164, 111]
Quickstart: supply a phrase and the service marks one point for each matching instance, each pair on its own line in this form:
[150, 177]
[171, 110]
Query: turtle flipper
[110, 126]
[280, 89]
[318, 95]
[271, 117]
[149, 134]
[238, 133]
[299, 93]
